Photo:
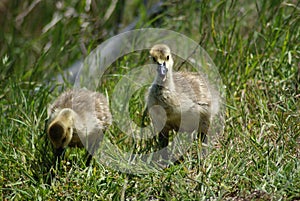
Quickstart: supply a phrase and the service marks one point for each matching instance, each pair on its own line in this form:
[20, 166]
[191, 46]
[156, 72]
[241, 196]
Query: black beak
[58, 152]
[162, 69]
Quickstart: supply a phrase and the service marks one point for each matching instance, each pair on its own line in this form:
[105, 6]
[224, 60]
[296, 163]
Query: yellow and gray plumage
[78, 118]
[179, 101]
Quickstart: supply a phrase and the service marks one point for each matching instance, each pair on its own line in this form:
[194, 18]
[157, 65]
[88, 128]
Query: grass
[255, 46]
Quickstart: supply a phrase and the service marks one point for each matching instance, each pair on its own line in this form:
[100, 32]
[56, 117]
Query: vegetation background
[254, 44]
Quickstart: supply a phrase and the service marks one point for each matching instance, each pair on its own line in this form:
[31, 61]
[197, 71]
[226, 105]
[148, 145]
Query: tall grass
[255, 46]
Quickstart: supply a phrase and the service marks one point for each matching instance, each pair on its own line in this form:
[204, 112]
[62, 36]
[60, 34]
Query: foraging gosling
[178, 101]
[78, 118]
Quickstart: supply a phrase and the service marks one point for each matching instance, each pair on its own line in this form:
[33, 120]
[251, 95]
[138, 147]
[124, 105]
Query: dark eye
[168, 58]
[154, 59]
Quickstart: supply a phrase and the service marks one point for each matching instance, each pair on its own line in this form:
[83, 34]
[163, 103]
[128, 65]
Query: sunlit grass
[256, 49]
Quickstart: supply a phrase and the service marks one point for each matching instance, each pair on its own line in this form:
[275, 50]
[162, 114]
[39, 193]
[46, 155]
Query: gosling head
[161, 55]
[60, 130]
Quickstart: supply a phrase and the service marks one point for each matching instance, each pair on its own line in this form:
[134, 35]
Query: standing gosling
[178, 101]
[78, 118]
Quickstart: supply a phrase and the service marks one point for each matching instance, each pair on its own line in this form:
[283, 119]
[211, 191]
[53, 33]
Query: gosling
[177, 101]
[78, 118]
